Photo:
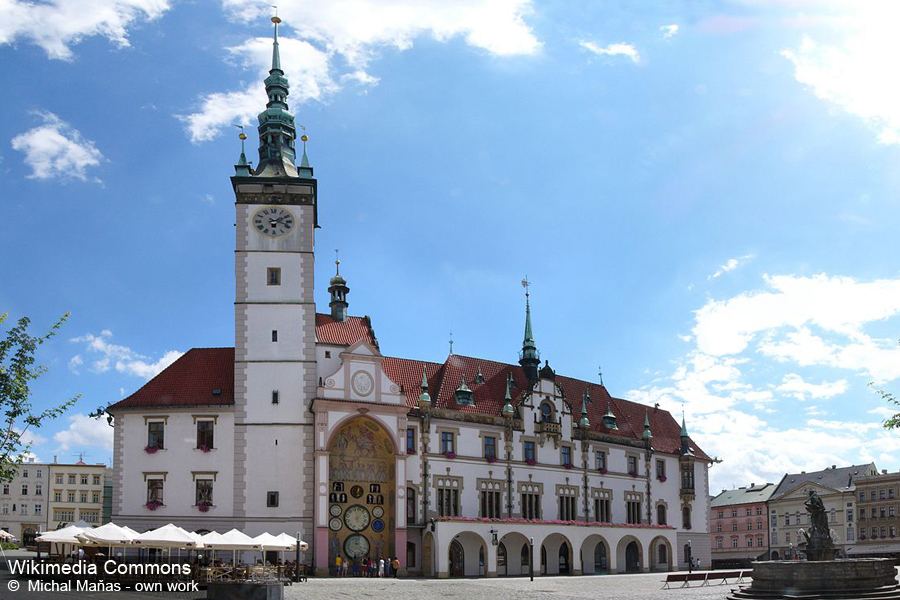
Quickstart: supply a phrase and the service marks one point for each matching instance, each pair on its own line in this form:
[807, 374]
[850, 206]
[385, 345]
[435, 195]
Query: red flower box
[150, 449]
[569, 466]
[204, 448]
[531, 462]
[662, 478]
[632, 473]
[450, 455]
[491, 459]
[603, 470]
[153, 505]
[203, 507]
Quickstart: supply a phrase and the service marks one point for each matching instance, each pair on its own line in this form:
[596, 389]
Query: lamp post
[690, 558]
[531, 558]
[297, 570]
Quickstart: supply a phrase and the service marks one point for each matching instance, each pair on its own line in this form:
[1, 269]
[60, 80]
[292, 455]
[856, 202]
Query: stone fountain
[821, 575]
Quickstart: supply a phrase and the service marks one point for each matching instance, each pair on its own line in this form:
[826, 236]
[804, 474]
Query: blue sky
[704, 195]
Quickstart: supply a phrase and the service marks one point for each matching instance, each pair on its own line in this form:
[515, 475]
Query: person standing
[387, 567]
[345, 567]
[395, 565]
[337, 566]
[381, 567]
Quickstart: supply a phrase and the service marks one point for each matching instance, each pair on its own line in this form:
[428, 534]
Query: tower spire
[338, 290]
[276, 55]
[529, 357]
[242, 168]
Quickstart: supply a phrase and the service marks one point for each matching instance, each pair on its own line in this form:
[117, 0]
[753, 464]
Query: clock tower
[275, 358]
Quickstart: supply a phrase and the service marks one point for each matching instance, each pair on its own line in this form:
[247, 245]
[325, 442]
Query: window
[734, 526]
[205, 434]
[490, 447]
[273, 276]
[566, 456]
[57, 496]
[40, 473]
[531, 506]
[748, 512]
[686, 517]
[156, 436]
[271, 499]
[82, 497]
[567, 508]
[774, 521]
[881, 494]
[59, 478]
[759, 542]
[661, 470]
[64, 515]
[890, 508]
[893, 531]
[718, 543]
[633, 511]
[274, 396]
[873, 495]
[632, 464]
[758, 511]
[749, 525]
[23, 510]
[38, 510]
[6, 489]
[849, 534]
[410, 441]
[687, 477]
[204, 492]
[71, 479]
[874, 512]
[84, 479]
[90, 516]
[862, 514]
[600, 460]
[749, 542]
[862, 496]
[529, 451]
[328, 354]
[490, 504]
[274, 335]
[155, 491]
[546, 412]
[787, 520]
[448, 502]
[759, 524]
[96, 480]
[881, 512]
[734, 542]
[24, 489]
[721, 514]
[4, 509]
[849, 515]
[38, 490]
[95, 498]
[661, 514]
[603, 510]
[719, 528]
[71, 496]
[25, 473]
[410, 554]
[411, 505]
[448, 442]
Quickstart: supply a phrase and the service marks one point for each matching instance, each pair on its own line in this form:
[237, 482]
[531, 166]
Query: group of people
[366, 567]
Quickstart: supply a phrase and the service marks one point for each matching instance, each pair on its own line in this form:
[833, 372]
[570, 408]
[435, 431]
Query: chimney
[884, 471]
[54, 459]
[834, 466]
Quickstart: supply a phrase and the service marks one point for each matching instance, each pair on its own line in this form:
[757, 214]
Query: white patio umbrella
[5, 535]
[292, 541]
[109, 534]
[64, 536]
[231, 540]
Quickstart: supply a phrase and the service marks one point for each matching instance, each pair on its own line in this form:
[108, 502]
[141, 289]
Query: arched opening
[543, 560]
[501, 560]
[515, 548]
[361, 491]
[629, 555]
[661, 517]
[28, 535]
[594, 556]
[775, 555]
[481, 561]
[428, 555]
[526, 558]
[632, 558]
[563, 567]
[457, 559]
[660, 554]
[687, 554]
[547, 412]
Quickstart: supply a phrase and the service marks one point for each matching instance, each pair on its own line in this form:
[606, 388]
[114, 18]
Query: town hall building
[464, 467]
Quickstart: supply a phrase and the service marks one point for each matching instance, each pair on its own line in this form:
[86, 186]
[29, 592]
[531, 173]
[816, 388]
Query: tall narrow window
[273, 276]
[490, 447]
[600, 460]
[272, 499]
[686, 517]
[205, 435]
[661, 514]
[566, 455]
[274, 335]
[411, 505]
[529, 451]
[274, 396]
[204, 492]
[531, 506]
[410, 440]
[155, 439]
[448, 443]
[155, 491]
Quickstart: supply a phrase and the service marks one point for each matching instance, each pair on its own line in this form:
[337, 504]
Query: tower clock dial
[272, 221]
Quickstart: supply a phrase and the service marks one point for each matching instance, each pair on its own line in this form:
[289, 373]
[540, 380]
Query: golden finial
[304, 138]
[337, 262]
[275, 19]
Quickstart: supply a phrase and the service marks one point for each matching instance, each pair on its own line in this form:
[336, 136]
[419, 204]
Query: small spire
[276, 55]
[508, 409]
[529, 357]
[304, 160]
[684, 431]
[338, 289]
[647, 434]
[242, 168]
[424, 398]
[479, 376]
[600, 372]
[451, 342]
[585, 400]
[337, 263]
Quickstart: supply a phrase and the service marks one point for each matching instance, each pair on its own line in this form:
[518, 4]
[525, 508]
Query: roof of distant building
[837, 478]
[745, 495]
[205, 376]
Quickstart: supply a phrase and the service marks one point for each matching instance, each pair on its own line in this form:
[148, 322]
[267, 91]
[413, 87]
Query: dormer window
[464, 396]
[546, 412]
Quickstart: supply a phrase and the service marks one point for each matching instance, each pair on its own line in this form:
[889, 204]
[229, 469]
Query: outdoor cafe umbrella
[108, 535]
[230, 540]
[66, 535]
[291, 541]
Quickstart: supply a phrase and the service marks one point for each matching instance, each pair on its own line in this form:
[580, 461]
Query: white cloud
[856, 72]
[730, 265]
[742, 366]
[56, 25]
[75, 364]
[85, 431]
[669, 31]
[57, 150]
[108, 355]
[794, 386]
[336, 34]
[620, 49]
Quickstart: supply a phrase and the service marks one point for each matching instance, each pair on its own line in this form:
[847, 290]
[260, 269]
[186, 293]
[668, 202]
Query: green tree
[17, 371]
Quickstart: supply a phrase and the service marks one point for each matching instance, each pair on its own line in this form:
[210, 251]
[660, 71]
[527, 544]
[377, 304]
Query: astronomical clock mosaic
[361, 500]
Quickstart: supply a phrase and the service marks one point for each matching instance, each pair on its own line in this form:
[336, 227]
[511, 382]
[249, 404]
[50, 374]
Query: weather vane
[337, 261]
[525, 284]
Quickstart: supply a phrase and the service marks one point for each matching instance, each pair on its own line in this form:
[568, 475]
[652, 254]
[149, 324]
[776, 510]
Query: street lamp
[297, 570]
[531, 558]
[690, 558]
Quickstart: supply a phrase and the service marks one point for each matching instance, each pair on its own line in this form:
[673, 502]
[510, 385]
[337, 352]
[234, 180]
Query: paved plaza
[608, 587]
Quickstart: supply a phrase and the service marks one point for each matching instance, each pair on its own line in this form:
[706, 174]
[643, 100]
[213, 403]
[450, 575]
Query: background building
[305, 426]
[878, 515]
[23, 502]
[738, 525]
[76, 493]
[787, 511]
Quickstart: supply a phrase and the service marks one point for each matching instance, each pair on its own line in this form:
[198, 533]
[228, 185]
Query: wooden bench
[705, 577]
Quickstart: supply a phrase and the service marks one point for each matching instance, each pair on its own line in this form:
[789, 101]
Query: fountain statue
[821, 575]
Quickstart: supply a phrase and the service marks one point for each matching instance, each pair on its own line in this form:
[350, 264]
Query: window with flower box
[530, 494]
[155, 491]
[490, 447]
[567, 497]
[156, 435]
[205, 431]
[447, 490]
[602, 505]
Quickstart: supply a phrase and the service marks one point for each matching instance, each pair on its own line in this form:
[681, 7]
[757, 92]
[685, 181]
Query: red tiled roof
[189, 381]
[443, 379]
[344, 333]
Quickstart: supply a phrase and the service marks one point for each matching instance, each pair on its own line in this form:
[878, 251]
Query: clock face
[335, 510]
[377, 512]
[356, 518]
[356, 491]
[273, 221]
[356, 546]
[335, 524]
